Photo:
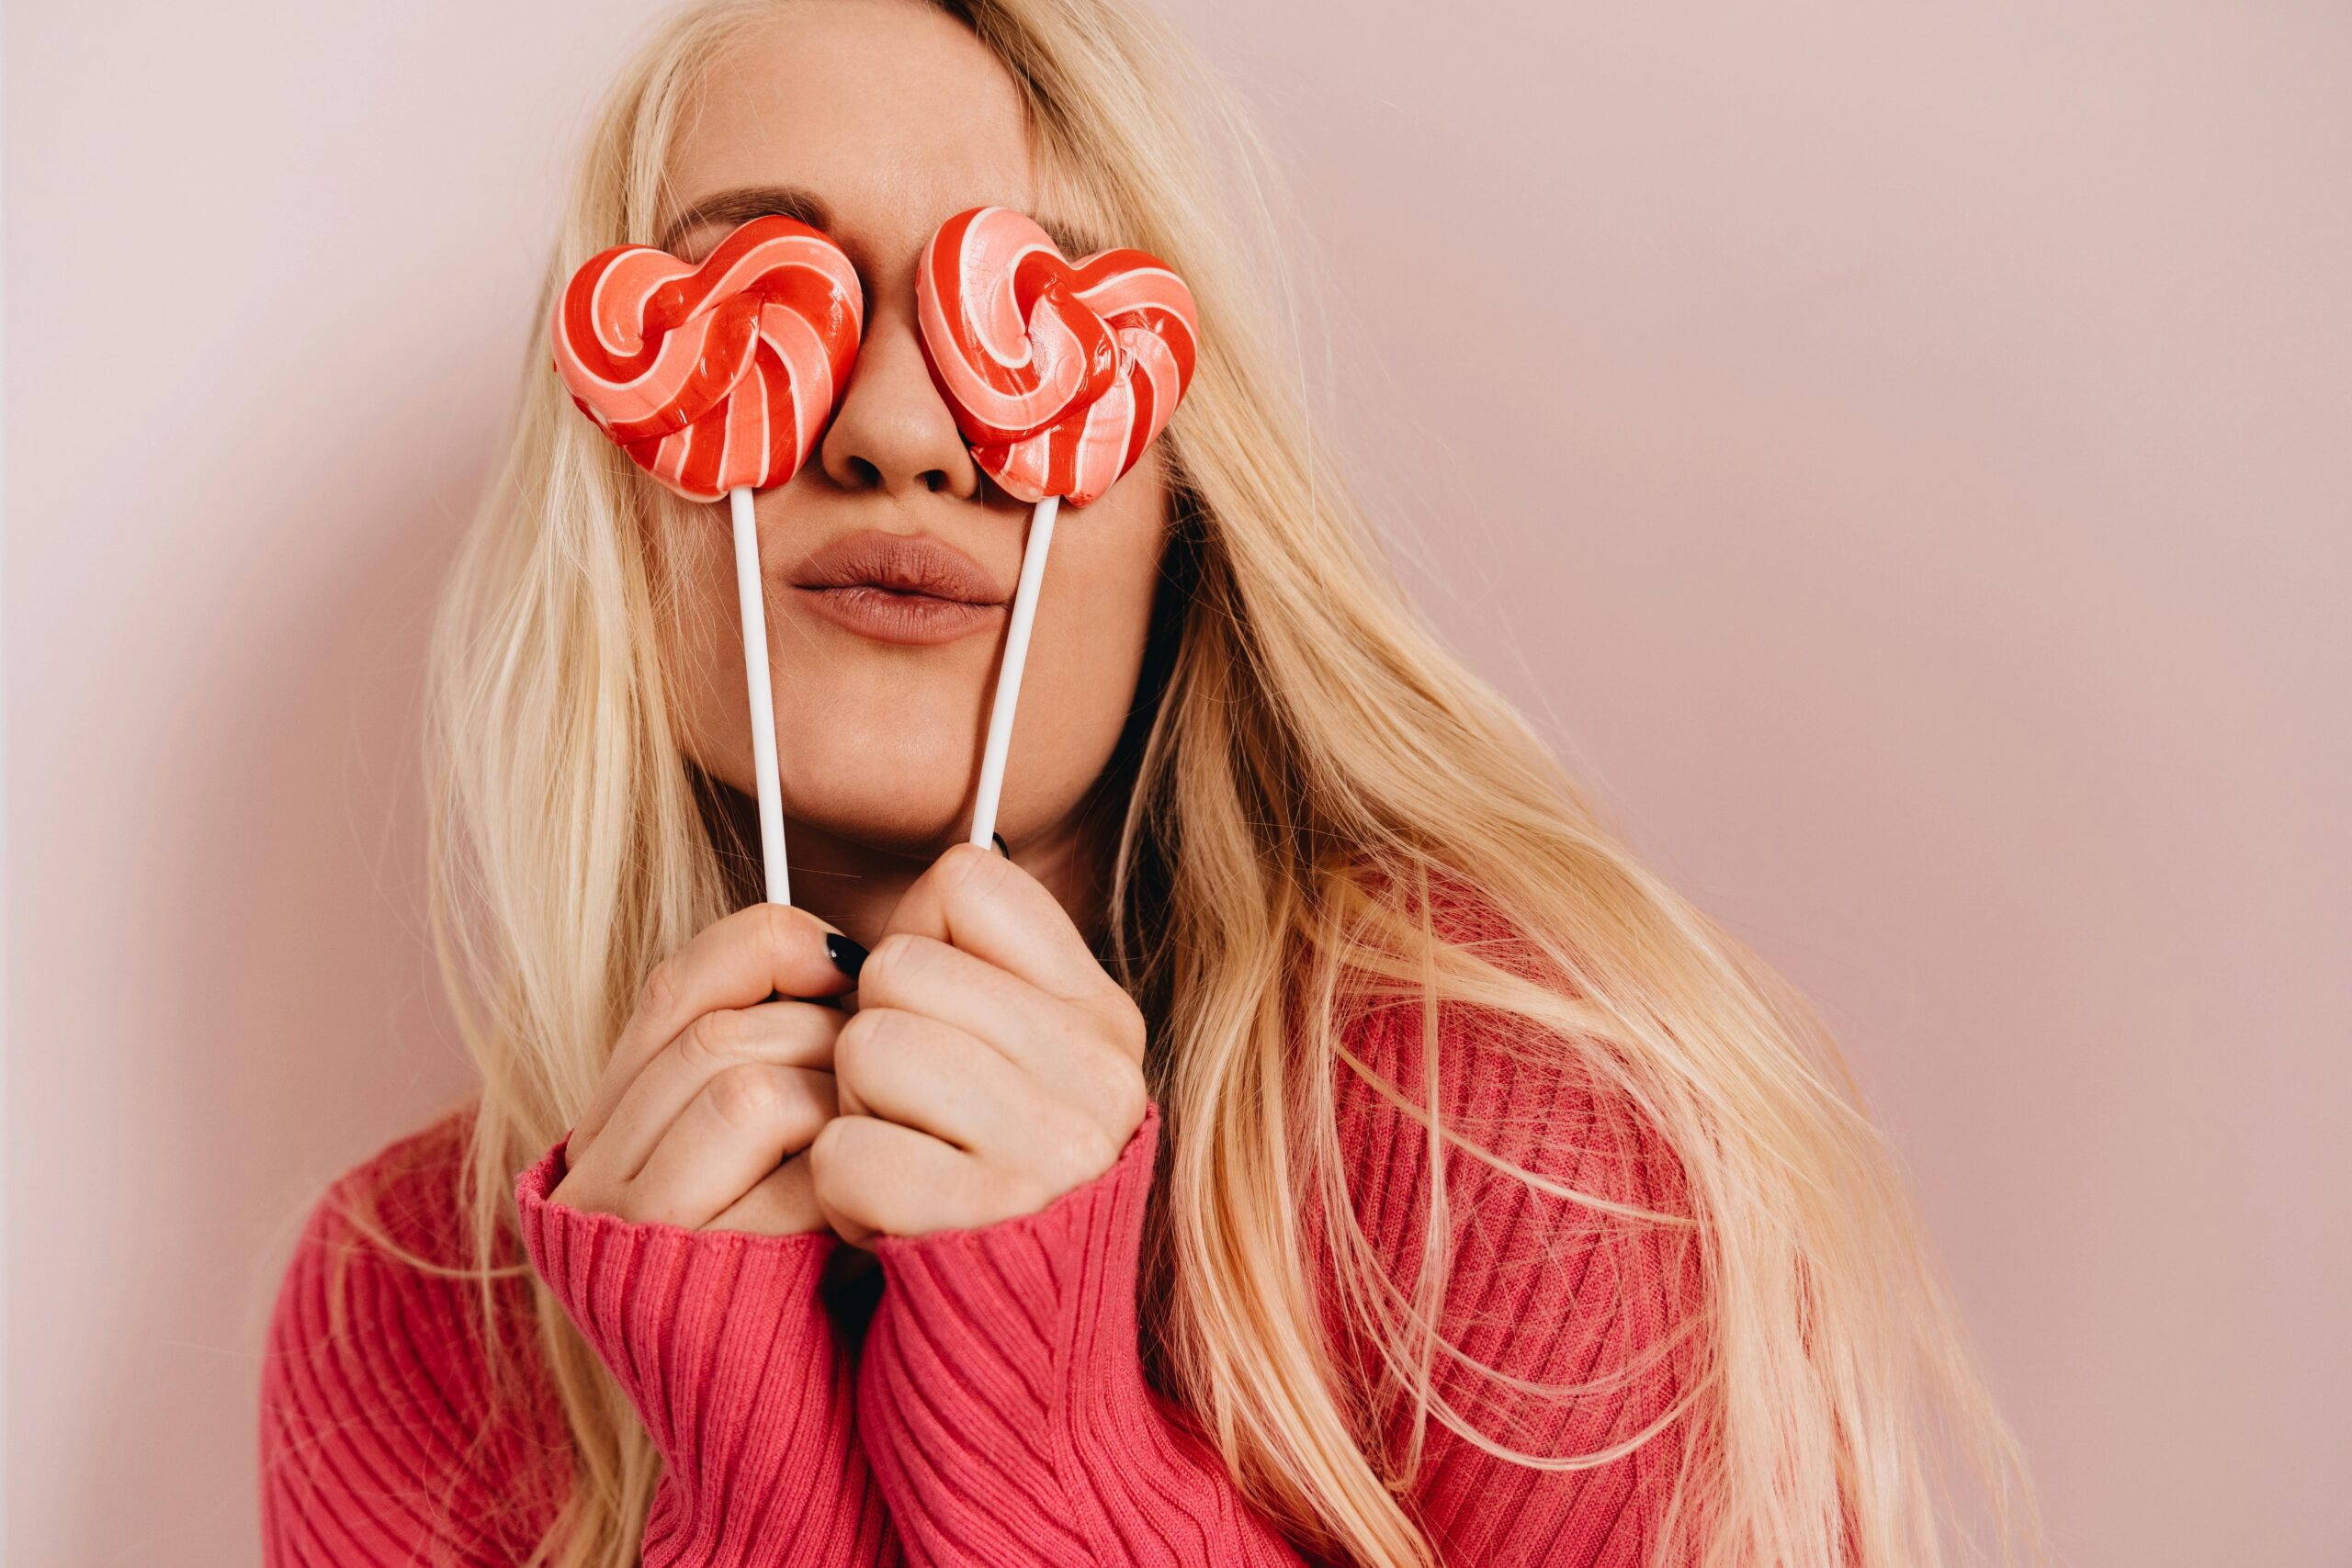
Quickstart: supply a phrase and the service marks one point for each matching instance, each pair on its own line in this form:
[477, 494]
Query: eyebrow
[741, 204]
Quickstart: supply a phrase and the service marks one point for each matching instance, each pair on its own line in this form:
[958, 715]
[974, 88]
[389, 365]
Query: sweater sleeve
[1004, 1405]
[722, 1343]
[1009, 1422]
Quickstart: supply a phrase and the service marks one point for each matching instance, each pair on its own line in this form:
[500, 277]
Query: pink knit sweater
[997, 1409]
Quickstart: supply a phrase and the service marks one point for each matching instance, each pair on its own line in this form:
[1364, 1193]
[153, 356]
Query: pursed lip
[905, 588]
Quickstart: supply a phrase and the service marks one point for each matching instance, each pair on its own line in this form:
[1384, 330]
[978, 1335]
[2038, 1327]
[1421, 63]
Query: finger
[928, 1076]
[738, 961]
[878, 1177]
[783, 1203]
[742, 1125]
[921, 975]
[784, 1034]
[989, 907]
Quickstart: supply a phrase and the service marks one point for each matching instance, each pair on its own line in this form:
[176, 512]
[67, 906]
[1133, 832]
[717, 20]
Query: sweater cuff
[722, 1343]
[1003, 1401]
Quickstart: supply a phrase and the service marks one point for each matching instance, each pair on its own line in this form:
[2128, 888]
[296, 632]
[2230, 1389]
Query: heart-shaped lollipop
[1060, 374]
[717, 376]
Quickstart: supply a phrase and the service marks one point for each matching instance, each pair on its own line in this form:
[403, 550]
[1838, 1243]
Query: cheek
[1092, 620]
[882, 745]
[1086, 654]
[693, 584]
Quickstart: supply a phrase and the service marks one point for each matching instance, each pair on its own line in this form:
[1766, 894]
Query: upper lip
[902, 563]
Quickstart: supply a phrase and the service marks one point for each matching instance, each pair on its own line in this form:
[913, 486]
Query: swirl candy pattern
[719, 375]
[1060, 374]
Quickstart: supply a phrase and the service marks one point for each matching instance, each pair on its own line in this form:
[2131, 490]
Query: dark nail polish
[998, 839]
[847, 956]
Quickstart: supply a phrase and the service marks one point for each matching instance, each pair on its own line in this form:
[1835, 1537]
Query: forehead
[888, 112]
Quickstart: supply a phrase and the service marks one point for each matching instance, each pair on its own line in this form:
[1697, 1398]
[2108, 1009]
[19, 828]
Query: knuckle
[1007, 1192]
[714, 1039]
[636, 1205]
[1128, 1026]
[831, 1164]
[575, 1192]
[1078, 1148]
[783, 930]
[1115, 1018]
[1129, 1100]
[1098, 1151]
[1113, 1080]
[661, 985]
[857, 1035]
[745, 1096]
[897, 955]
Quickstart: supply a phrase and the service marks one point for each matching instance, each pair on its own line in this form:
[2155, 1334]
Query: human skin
[990, 1063]
[895, 118]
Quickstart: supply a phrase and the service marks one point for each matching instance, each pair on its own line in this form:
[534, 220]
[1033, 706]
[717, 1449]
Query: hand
[991, 1064]
[713, 1091]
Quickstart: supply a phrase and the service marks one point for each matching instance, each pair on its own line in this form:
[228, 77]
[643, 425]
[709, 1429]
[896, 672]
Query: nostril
[865, 472]
[935, 480]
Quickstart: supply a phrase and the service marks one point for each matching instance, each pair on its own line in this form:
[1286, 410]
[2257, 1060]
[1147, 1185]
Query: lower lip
[888, 616]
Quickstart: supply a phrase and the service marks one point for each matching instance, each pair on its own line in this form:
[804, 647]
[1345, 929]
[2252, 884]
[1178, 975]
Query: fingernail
[847, 955]
[998, 839]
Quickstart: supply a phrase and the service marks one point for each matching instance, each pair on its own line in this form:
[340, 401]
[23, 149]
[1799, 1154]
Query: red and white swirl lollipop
[716, 377]
[1059, 375]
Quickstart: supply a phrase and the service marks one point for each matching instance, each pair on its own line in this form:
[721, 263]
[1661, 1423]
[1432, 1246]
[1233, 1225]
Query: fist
[991, 1064]
[713, 1093]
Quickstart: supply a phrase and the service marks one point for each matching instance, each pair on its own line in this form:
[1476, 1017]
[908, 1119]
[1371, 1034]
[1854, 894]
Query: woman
[1314, 1138]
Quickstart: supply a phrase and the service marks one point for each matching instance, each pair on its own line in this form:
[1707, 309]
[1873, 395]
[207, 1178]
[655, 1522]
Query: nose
[893, 432]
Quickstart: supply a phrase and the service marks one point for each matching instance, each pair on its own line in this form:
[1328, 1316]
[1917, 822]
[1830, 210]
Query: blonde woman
[1314, 1138]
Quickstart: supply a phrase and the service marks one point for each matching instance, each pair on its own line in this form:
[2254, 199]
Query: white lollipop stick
[755, 678]
[1008, 675]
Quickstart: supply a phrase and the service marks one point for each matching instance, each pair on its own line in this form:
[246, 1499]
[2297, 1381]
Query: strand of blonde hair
[1316, 765]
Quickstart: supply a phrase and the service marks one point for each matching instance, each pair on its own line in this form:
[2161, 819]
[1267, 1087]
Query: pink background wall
[1901, 448]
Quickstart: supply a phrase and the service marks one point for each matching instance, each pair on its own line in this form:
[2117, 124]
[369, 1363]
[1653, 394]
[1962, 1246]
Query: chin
[883, 755]
[890, 782]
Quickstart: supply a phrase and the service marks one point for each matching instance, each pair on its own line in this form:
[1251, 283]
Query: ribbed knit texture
[382, 1441]
[1005, 1406]
[726, 1349]
[997, 1412]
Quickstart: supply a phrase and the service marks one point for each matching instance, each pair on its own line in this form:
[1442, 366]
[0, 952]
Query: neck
[854, 885]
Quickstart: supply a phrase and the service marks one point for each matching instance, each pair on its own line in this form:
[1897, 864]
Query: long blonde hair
[1314, 766]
